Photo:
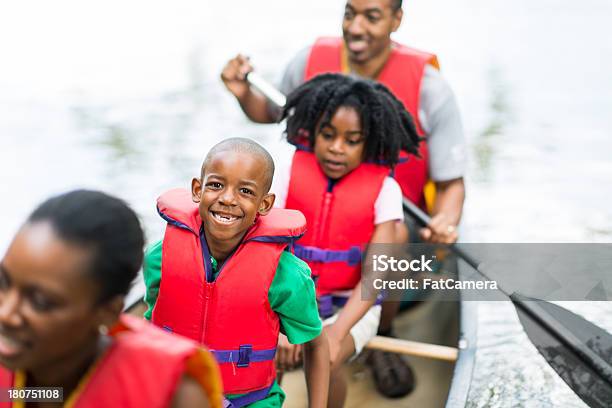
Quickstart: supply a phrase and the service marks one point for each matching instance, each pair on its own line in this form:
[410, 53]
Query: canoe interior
[431, 322]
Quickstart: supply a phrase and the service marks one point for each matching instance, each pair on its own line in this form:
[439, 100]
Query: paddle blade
[579, 351]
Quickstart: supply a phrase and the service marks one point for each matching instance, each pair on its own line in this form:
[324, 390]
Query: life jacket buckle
[244, 355]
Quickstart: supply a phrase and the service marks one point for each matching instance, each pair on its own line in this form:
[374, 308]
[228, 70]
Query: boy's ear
[266, 204]
[196, 189]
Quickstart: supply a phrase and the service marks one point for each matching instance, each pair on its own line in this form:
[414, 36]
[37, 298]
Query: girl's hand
[288, 356]
[334, 340]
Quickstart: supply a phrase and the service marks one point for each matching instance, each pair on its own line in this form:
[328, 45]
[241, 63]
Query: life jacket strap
[247, 399]
[350, 256]
[327, 303]
[243, 356]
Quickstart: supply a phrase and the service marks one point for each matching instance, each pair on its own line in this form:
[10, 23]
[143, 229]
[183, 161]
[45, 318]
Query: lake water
[125, 97]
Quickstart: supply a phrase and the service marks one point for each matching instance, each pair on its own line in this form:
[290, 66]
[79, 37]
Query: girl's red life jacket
[230, 315]
[340, 217]
[402, 74]
[141, 368]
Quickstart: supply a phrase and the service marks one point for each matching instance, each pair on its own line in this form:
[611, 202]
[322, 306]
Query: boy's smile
[224, 218]
[233, 189]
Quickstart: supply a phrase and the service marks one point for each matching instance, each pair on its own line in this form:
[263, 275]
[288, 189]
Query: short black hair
[387, 126]
[396, 5]
[106, 226]
[241, 144]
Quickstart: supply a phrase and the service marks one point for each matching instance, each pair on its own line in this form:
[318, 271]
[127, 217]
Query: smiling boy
[222, 276]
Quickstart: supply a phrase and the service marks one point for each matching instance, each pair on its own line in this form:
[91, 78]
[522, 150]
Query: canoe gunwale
[467, 344]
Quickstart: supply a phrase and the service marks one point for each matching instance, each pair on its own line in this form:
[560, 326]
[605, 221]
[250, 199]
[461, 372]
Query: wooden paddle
[579, 351]
[413, 348]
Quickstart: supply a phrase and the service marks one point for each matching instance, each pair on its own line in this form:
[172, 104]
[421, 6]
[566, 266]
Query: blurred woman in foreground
[62, 284]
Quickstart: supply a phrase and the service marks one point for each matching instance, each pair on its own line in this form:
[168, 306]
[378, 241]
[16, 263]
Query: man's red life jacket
[402, 74]
[340, 217]
[230, 315]
[141, 368]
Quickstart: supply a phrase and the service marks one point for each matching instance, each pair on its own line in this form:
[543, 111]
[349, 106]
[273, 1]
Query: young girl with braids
[348, 135]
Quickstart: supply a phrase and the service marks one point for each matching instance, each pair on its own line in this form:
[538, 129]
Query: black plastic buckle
[244, 355]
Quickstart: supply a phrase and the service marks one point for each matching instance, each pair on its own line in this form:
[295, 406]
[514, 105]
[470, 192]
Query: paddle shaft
[266, 89]
[413, 348]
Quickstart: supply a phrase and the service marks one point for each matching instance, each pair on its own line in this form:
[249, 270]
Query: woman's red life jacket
[402, 74]
[340, 217]
[230, 315]
[141, 368]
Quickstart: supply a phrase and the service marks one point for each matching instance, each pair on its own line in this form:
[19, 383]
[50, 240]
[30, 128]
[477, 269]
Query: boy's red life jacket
[340, 217]
[402, 74]
[231, 315]
[141, 368]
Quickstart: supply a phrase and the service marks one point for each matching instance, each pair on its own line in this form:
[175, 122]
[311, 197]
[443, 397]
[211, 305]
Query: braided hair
[386, 125]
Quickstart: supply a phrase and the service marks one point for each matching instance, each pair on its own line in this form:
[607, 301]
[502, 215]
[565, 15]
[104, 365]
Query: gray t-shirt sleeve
[292, 77]
[295, 71]
[440, 118]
